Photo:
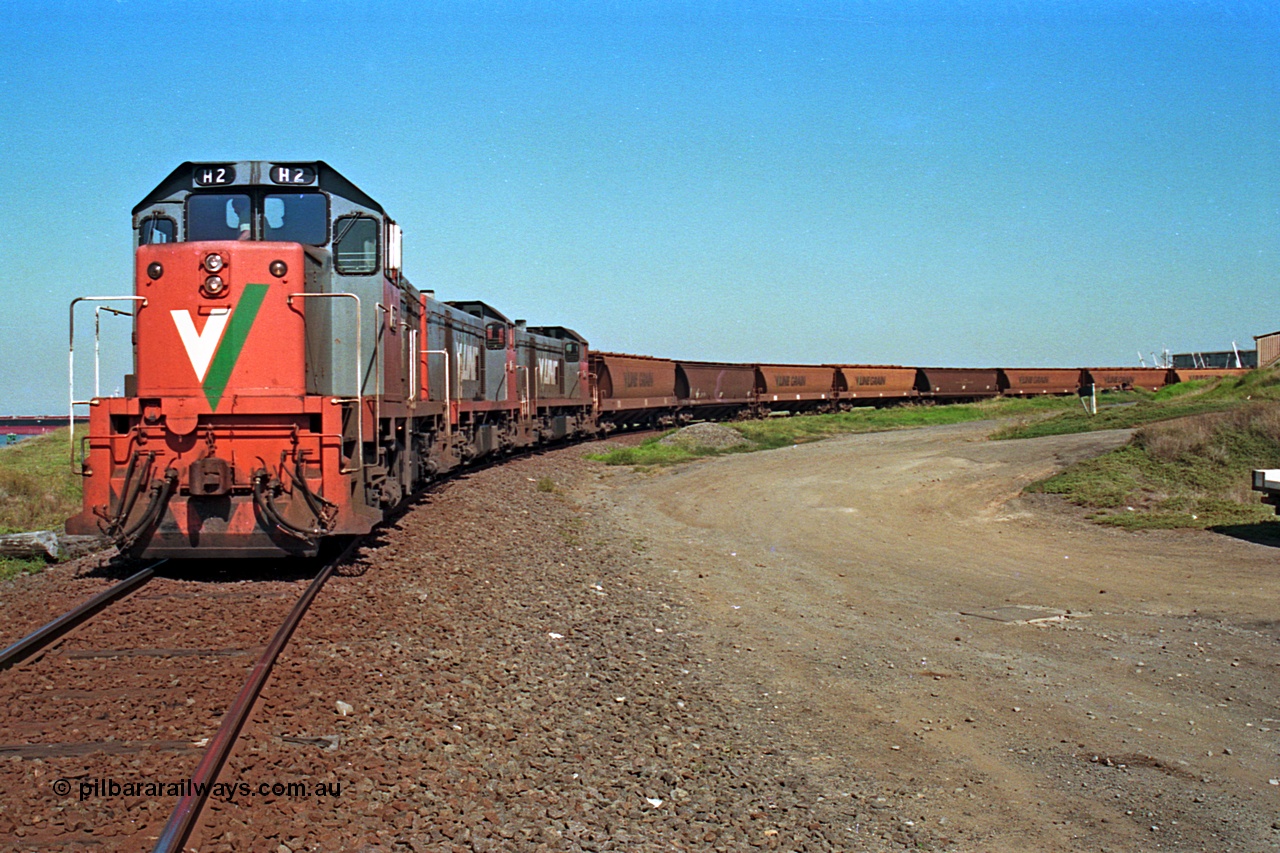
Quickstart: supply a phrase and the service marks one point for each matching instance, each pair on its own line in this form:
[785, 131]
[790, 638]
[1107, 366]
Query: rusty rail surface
[42, 637]
[184, 816]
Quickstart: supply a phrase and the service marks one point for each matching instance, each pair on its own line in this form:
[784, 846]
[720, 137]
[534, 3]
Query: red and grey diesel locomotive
[289, 384]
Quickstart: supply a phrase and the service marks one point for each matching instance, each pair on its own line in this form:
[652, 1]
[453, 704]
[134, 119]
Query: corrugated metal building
[1226, 358]
[1268, 348]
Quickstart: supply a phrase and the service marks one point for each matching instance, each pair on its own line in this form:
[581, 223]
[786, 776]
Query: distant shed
[1247, 359]
[1268, 348]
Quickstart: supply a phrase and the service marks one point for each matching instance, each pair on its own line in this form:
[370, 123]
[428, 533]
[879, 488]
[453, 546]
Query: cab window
[156, 229]
[296, 218]
[572, 352]
[355, 245]
[495, 336]
[218, 217]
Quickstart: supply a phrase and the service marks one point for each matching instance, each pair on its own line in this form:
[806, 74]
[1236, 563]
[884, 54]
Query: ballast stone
[714, 436]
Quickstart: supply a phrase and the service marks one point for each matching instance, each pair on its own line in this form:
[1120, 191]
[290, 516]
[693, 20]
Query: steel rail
[38, 639]
[184, 816]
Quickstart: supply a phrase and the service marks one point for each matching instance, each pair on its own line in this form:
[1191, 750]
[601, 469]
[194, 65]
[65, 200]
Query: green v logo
[215, 350]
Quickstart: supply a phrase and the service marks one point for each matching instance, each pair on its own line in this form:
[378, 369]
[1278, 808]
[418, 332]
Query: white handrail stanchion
[71, 362]
[359, 396]
[448, 402]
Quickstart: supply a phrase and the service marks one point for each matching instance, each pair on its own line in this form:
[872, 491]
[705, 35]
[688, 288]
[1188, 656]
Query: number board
[214, 176]
[294, 176]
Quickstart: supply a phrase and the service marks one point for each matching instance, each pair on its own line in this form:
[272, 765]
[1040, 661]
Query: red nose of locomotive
[219, 326]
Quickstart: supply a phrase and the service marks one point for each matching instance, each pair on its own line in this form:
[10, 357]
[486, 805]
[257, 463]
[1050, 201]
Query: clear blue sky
[942, 183]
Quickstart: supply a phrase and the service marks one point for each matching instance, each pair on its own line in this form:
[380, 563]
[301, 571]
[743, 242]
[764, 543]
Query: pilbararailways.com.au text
[227, 792]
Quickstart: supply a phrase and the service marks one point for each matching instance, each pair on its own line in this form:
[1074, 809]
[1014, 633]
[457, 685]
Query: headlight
[278, 268]
[214, 262]
[154, 270]
[213, 286]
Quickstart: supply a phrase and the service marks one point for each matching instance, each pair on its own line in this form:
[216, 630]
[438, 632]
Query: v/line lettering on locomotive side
[548, 371]
[468, 362]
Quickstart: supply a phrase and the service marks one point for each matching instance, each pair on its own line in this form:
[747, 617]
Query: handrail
[71, 363]
[407, 346]
[525, 401]
[448, 402]
[97, 330]
[359, 397]
[413, 365]
[380, 382]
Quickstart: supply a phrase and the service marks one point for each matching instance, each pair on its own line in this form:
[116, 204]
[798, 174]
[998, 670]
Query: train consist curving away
[289, 384]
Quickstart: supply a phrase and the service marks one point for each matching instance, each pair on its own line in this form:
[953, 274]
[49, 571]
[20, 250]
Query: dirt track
[872, 597]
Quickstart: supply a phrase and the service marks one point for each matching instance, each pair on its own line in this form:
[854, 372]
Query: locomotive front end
[221, 446]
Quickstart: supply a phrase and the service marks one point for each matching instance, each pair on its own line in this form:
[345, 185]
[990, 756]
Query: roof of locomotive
[248, 173]
[476, 308]
[560, 332]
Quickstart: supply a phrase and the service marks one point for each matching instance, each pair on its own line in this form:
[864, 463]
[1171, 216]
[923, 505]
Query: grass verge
[1187, 472]
[38, 491]
[12, 567]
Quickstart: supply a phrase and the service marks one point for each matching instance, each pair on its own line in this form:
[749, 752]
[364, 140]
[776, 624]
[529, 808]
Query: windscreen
[218, 217]
[296, 218]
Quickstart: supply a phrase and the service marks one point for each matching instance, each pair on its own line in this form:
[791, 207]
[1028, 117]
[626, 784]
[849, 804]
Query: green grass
[12, 567]
[649, 453]
[785, 431]
[1187, 472]
[1187, 465]
[38, 491]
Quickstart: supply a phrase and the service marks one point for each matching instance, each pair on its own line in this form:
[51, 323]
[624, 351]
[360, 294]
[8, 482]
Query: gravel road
[990, 667]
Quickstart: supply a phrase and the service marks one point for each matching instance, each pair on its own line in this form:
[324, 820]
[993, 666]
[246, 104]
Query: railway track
[132, 689]
[43, 637]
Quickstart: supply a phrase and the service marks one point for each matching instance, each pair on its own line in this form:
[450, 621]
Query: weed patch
[12, 567]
